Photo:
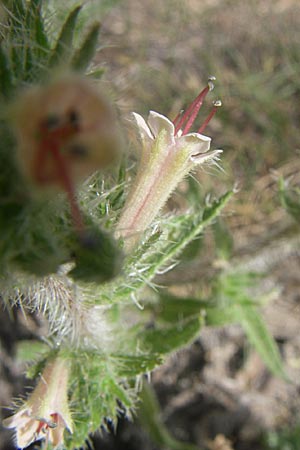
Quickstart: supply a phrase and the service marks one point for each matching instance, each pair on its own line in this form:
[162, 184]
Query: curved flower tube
[169, 153]
[45, 414]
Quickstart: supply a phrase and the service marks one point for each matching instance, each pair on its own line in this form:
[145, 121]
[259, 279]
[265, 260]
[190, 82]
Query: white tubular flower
[169, 153]
[45, 414]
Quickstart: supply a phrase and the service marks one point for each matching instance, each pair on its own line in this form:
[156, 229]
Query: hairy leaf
[166, 339]
[85, 53]
[166, 245]
[6, 76]
[150, 417]
[232, 303]
[132, 365]
[63, 48]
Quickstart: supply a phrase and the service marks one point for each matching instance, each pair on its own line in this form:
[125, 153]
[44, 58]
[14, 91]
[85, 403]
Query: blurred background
[216, 394]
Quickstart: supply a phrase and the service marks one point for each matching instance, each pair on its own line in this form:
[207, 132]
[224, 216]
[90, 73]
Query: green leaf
[166, 339]
[180, 232]
[83, 56]
[177, 232]
[17, 10]
[96, 74]
[150, 417]
[223, 240]
[63, 48]
[6, 76]
[32, 230]
[131, 365]
[95, 390]
[17, 61]
[34, 370]
[232, 304]
[29, 64]
[39, 36]
[29, 350]
[97, 257]
[172, 309]
[35, 246]
[290, 199]
[259, 336]
[218, 317]
[118, 392]
[287, 438]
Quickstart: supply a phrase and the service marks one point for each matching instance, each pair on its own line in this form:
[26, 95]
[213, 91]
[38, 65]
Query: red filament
[50, 144]
[188, 118]
[208, 119]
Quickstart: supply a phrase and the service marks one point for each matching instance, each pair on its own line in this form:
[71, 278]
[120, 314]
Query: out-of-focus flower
[66, 130]
[68, 116]
[46, 412]
[169, 153]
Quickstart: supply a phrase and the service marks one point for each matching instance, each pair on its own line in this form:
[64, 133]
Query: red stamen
[44, 425]
[216, 104]
[177, 118]
[191, 113]
[54, 147]
[41, 425]
[50, 145]
[59, 135]
[54, 418]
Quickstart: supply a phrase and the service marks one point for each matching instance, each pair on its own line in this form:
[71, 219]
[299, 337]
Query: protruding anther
[187, 119]
[177, 118]
[217, 103]
[210, 82]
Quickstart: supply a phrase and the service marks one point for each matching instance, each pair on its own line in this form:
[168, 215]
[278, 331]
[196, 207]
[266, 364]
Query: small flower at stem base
[45, 414]
[169, 153]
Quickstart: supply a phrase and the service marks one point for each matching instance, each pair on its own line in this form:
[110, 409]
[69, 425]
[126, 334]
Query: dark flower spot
[78, 150]
[51, 122]
[73, 118]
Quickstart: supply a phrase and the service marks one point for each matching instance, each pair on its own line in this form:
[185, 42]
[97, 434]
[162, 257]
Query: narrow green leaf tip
[64, 43]
[6, 78]
[83, 56]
